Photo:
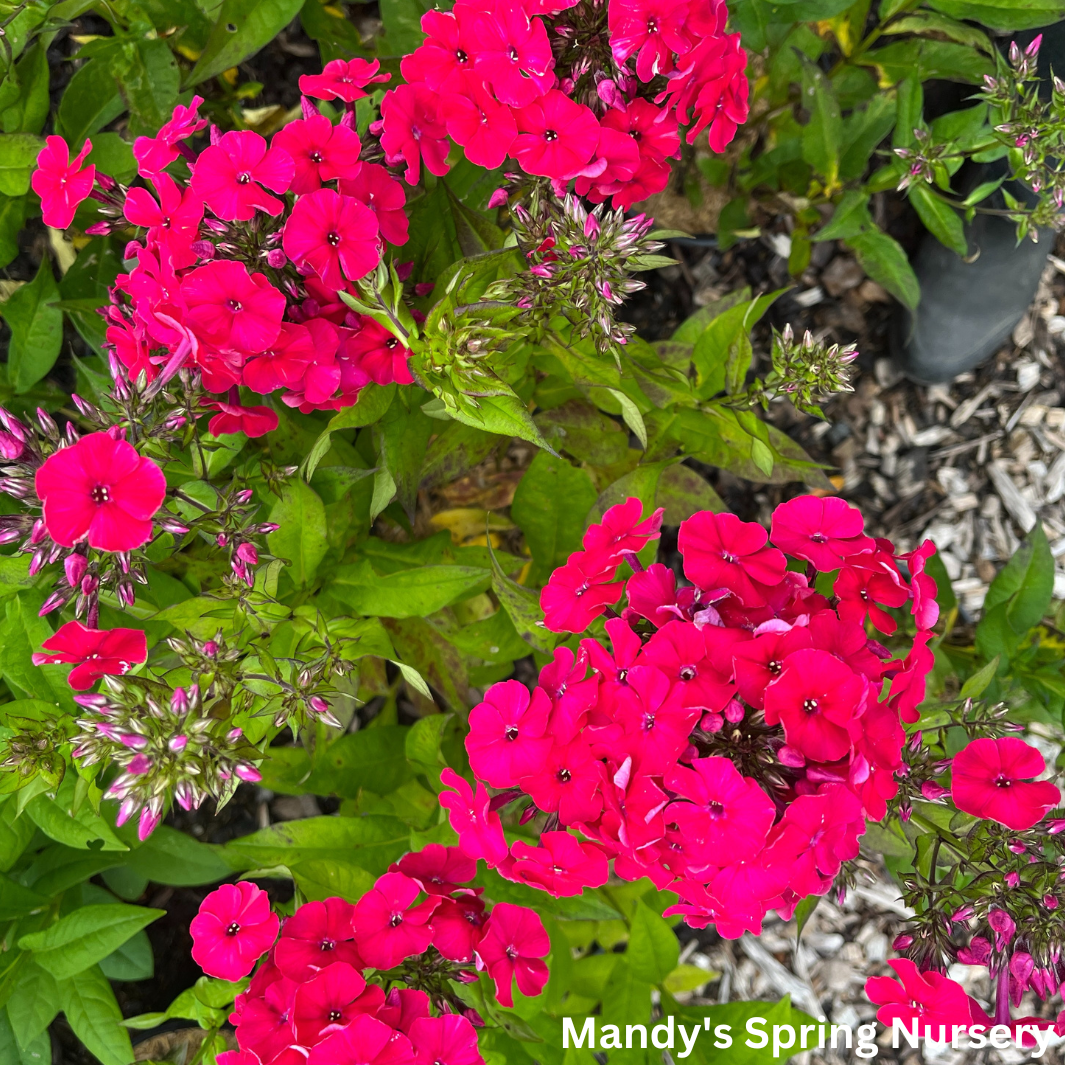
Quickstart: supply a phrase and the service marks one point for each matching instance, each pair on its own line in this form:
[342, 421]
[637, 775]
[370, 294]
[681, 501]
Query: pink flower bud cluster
[369, 983]
[736, 736]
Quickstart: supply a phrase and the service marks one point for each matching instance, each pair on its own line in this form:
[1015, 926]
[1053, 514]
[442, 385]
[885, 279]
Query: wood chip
[969, 407]
[782, 981]
[1016, 505]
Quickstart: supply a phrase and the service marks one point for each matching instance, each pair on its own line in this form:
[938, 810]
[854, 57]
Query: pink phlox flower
[335, 235]
[365, 1041]
[864, 592]
[556, 136]
[94, 653]
[681, 651]
[561, 865]
[233, 418]
[566, 781]
[925, 608]
[60, 181]
[445, 54]
[438, 869]
[316, 936]
[343, 79]
[266, 1028]
[506, 738]
[479, 829]
[929, 997]
[389, 926]
[320, 152]
[285, 362]
[233, 175]
[621, 531]
[992, 779]
[446, 1040]
[825, 531]
[326, 1002]
[815, 697]
[102, 491]
[456, 927]
[476, 120]
[154, 154]
[378, 354]
[230, 308]
[413, 132]
[654, 719]
[513, 948]
[652, 30]
[402, 1007]
[232, 930]
[908, 683]
[510, 50]
[174, 220]
[374, 186]
[578, 592]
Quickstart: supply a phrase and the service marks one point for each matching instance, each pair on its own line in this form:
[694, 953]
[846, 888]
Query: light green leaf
[408, 593]
[33, 1004]
[1025, 583]
[631, 415]
[302, 538]
[504, 416]
[176, 859]
[86, 936]
[37, 1052]
[940, 219]
[131, 961]
[823, 135]
[36, 329]
[884, 260]
[1004, 14]
[77, 830]
[373, 402]
[18, 157]
[653, 948]
[94, 1016]
[241, 29]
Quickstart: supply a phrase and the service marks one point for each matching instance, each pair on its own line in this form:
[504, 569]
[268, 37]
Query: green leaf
[37, 1052]
[30, 110]
[408, 593]
[90, 101]
[1025, 584]
[36, 329]
[504, 416]
[302, 538]
[863, 130]
[371, 841]
[149, 81]
[18, 157]
[549, 506]
[86, 936]
[401, 437]
[584, 432]
[15, 832]
[131, 961]
[402, 19]
[421, 644]
[523, 607]
[627, 995]
[94, 1016]
[804, 911]
[16, 900]
[12, 218]
[77, 830]
[850, 217]
[884, 260]
[683, 492]
[928, 23]
[1004, 14]
[371, 406]
[373, 758]
[940, 219]
[822, 136]
[909, 104]
[321, 879]
[977, 684]
[176, 859]
[927, 59]
[241, 29]
[33, 1004]
[653, 948]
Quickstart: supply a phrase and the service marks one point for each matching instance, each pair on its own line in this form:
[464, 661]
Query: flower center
[687, 673]
[328, 944]
[728, 557]
[715, 809]
[100, 494]
[774, 667]
[233, 929]
[316, 157]
[461, 56]
[819, 538]
[511, 952]
[395, 920]
[649, 722]
[244, 178]
[652, 25]
[513, 53]
[391, 342]
[809, 705]
[1002, 782]
[334, 1016]
[511, 733]
[235, 306]
[550, 135]
[564, 776]
[332, 239]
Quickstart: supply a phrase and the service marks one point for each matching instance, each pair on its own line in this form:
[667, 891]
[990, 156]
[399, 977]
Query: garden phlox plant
[369, 983]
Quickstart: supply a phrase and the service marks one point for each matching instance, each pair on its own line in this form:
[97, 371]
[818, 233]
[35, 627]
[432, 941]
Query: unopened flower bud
[902, 942]
[248, 773]
[74, 567]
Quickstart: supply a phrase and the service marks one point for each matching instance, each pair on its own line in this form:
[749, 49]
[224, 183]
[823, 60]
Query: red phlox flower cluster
[241, 265]
[734, 738]
[489, 79]
[323, 994]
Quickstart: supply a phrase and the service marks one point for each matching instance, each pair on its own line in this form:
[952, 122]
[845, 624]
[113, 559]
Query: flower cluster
[738, 733]
[584, 93]
[326, 992]
[240, 269]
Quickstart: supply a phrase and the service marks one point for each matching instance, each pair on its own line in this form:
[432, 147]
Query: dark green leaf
[36, 329]
[804, 911]
[549, 506]
[402, 19]
[90, 101]
[1004, 14]
[12, 217]
[421, 645]
[174, 858]
[375, 759]
[504, 416]
[149, 80]
[523, 606]
[401, 437]
[27, 114]
[241, 29]
[909, 110]
[929, 59]
[1025, 584]
[884, 260]
[33, 1004]
[863, 130]
[408, 593]
[822, 136]
[940, 219]
[131, 961]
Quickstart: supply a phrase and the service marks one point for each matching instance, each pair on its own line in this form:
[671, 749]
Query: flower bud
[246, 553]
[148, 823]
[74, 567]
[962, 914]
[178, 743]
[902, 942]
[248, 773]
